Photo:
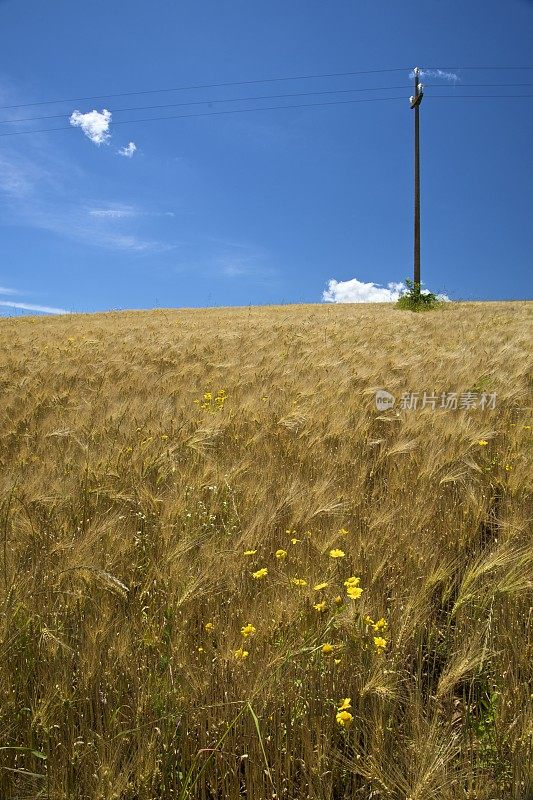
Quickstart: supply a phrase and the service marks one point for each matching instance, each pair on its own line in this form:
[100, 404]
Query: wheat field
[225, 574]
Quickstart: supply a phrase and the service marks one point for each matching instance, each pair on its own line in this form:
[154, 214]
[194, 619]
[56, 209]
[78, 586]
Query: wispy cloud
[123, 211]
[114, 212]
[128, 151]
[110, 231]
[235, 270]
[43, 192]
[22, 176]
[42, 188]
[23, 306]
[354, 291]
[33, 307]
[124, 241]
[436, 73]
[94, 124]
[242, 260]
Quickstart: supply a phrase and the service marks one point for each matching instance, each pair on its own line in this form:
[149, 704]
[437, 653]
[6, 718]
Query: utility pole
[415, 104]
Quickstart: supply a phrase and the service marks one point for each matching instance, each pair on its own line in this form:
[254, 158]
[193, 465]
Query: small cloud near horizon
[33, 307]
[354, 291]
[27, 306]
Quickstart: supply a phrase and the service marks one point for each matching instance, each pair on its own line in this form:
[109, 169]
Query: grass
[416, 299]
[143, 453]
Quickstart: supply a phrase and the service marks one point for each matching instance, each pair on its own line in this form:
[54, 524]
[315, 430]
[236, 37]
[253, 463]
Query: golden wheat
[153, 463]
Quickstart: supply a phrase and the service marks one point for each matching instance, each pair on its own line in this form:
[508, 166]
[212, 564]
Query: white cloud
[94, 124]
[134, 243]
[32, 307]
[354, 291]
[125, 211]
[114, 212]
[27, 306]
[234, 270]
[436, 73]
[128, 150]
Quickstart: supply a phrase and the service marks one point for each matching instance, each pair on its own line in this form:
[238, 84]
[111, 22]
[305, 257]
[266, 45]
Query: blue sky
[269, 206]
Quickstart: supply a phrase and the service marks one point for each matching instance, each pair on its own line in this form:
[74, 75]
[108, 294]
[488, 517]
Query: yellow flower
[337, 660]
[344, 718]
[320, 606]
[295, 541]
[380, 625]
[327, 648]
[337, 600]
[346, 703]
[354, 592]
[336, 553]
[320, 586]
[260, 573]
[281, 553]
[200, 649]
[343, 532]
[241, 654]
[482, 442]
[208, 396]
[299, 581]
[250, 552]
[353, 581]
[380, 642]
[248, 630]
[508, 468]
[368, 620]
[209, 626]
[221, 398]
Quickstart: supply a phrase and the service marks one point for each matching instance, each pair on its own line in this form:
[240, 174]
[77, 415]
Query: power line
[480, 96]
[209, 86]
[250, 82]
[215, 113]
[478, 85]
[210, 101]
[272, 108]
[494, 67]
